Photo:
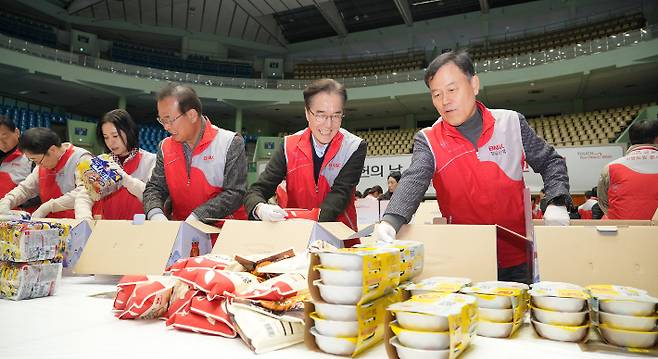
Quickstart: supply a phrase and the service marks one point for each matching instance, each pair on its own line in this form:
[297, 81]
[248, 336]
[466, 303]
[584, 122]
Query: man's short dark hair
[460, 58]
[323, 85]
[7, 122]
[38, 140]
[122, 121]
[588, 194]
[643, 131]
[185, 95]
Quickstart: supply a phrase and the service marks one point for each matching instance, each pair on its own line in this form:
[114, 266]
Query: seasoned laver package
[98, 178]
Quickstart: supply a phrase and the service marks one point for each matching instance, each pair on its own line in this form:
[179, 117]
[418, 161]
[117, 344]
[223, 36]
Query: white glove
[5, 206]
[159, 217]
[270, 212]
[134, 185]
[44, 210]
[556, 216]
[384, 232]
[192, 218]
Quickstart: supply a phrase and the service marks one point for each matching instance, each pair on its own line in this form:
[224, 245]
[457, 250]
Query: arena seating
[27, 29]
[385, 64]
[560, 38]
[169, 60]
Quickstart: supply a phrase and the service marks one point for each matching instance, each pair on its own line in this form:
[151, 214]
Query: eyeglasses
[169, 122]
[40, 161]
[324, 117]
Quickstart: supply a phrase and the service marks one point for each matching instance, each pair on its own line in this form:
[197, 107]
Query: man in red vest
[14, 166]
[474, 157]
[54, 178]
[628, 186]
[200, 167]
[321, 164]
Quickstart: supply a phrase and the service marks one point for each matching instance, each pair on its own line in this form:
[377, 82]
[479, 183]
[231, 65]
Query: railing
[522, 61]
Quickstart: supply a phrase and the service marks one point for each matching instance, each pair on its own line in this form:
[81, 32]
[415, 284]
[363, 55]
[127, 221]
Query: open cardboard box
[78, 236]
[121, 247]
[608, 222]
[584, 255]
[253, 237]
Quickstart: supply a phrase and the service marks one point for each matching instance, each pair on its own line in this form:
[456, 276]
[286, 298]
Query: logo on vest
[208, 158]
[497, 150]
[334, 165]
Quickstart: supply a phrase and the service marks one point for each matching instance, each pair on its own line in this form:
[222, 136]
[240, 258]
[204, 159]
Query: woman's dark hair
[38, 140]
[396, 175]
[122, 120]
[377, 189]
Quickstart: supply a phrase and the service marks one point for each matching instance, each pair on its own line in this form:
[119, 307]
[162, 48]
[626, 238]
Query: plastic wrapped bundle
[24, 241]
[28, 280]
[97, 176]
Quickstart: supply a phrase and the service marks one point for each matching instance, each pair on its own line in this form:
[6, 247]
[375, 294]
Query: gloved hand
[270, 212]
[159, 217]
[556, 216]
[5, 206]
[384, 232]
[134, 185]
[44, 210]
[192, 218]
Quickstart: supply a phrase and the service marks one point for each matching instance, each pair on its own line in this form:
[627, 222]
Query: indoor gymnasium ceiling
[274, 22]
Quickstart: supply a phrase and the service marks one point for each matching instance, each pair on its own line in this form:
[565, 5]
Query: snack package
[302, 213]
[98, 178]
[25, 241]
[208, 261]
[501, 307]
[28, 280]
[216, 283]
[277, 288]
[262, 332]
[201, 315]
[149, 299]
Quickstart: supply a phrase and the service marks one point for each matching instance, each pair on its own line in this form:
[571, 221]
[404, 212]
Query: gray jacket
[220, 206]
[541, 156]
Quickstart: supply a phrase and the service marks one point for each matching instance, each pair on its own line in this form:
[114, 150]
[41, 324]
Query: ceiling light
[426, 2]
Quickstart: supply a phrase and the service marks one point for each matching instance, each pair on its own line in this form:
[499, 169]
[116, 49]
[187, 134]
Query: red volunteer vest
[206, 177]
[122, 204]
[13, 170]
[633, 191]
[483, 185]
[300, 181]
[54, 183]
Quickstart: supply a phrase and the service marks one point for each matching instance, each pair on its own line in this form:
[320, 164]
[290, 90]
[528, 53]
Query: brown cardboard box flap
[455, 250]
[253, 237]
[587, 255]
[205, 228]
[120, 247]
[603, 222]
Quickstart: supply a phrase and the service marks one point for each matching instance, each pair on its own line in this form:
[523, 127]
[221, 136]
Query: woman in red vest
[54, 179]
[14, 166]
[119, 135]
[321, 164]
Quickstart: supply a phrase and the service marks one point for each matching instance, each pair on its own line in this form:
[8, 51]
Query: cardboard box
[456, 250]
[586, 255]
[426, 212]
[121, 247]
[253, 237]
[78, 237]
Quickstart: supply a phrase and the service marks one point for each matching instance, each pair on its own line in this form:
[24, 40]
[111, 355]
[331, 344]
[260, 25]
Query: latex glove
[384, 232]
[270, 212]
[556, 216]
[44, 210]
[5, 206]
[192, 218]
[159, 217]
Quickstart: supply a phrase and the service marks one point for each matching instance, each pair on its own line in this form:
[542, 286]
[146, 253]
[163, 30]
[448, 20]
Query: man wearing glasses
[200, 167]
[321, 164]
[54, 178]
